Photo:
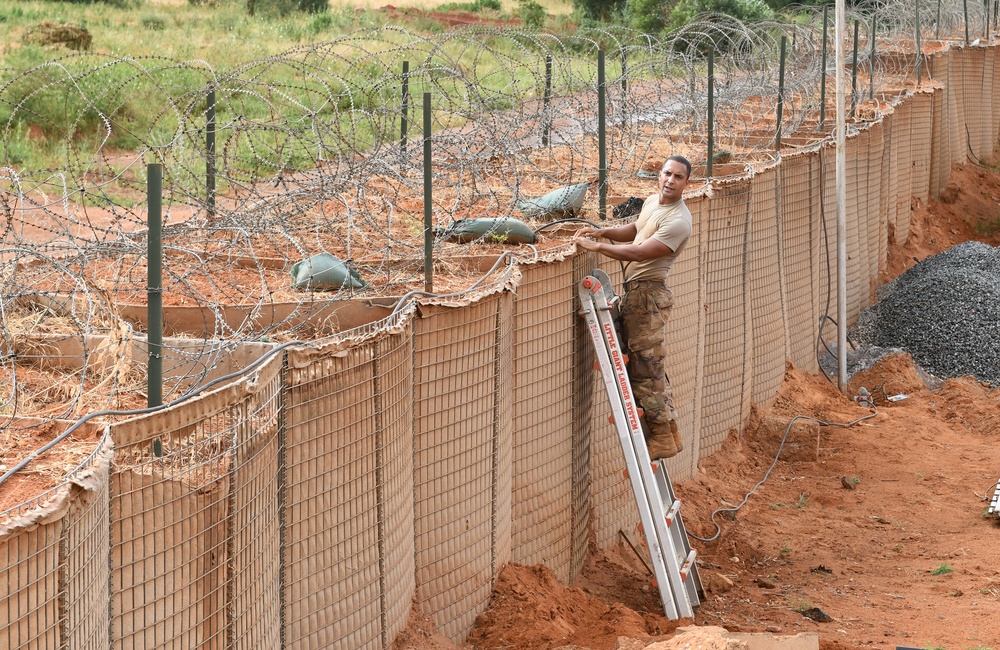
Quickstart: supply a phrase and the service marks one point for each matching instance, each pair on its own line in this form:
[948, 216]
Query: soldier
[656, 238]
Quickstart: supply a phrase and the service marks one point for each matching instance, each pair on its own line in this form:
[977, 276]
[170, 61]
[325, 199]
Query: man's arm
[647, 250]
[621, 233]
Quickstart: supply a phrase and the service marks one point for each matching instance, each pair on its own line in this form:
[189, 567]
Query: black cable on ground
[718, 529]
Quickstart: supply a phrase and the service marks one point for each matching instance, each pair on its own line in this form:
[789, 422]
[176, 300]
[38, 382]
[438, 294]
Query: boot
[675, 433]
[662, 446]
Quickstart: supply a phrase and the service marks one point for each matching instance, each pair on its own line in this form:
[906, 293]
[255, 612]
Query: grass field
[41, 113]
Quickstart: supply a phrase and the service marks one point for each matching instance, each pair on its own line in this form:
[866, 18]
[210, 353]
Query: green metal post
[916, 7]
[210, 152]
[624, 58]
[428, 212]
[711, 111]
[965, 10]
[822, 76]
[871, 62]
[602, 148]
[154, 289]
[404, 123]
[781, 94]
[547, 101]
[854, 72]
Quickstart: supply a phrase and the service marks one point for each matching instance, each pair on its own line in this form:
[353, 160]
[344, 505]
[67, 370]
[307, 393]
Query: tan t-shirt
[668, 224]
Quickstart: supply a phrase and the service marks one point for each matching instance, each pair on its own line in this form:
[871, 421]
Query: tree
[603, 10]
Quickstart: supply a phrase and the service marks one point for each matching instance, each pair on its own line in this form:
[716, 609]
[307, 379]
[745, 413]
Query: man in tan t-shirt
[657, 237]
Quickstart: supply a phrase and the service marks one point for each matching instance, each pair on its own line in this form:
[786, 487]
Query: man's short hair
[682, 160]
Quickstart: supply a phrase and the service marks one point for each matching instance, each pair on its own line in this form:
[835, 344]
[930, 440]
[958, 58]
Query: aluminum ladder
[673, 559]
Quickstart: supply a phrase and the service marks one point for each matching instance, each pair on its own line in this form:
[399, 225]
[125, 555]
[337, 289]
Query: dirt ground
[886, 533]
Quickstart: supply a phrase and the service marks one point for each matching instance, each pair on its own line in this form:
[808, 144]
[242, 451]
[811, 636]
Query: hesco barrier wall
[311, 502]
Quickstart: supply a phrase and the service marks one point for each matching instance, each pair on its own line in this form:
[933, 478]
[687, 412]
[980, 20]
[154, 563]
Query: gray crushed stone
[945, 311]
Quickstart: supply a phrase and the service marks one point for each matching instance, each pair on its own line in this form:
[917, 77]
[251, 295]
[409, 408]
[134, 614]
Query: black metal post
[822, 75]
[781, 95]
[154, 288]
[937, 23]
[210, 153]
[602, 148]
[711, 111]
[428, 211]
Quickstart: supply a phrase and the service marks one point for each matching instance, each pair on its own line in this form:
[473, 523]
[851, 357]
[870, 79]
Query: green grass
[944, 569]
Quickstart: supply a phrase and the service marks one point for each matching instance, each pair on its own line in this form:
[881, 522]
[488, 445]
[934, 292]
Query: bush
[743, 10]
[153, 23]
[531, 13]
[649, 16]
[603, 10]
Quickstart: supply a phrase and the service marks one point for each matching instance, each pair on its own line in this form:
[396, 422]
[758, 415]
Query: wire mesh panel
[170, 505]
[976, 113]
[921, 145]
[255, 546]
[940, 157]
[856, 166]
[827, 260]
[584, 407]
[544, 312]
[333, 531]
[800, 231]
[990, 74]
[685, 344]
[454, 450]
[867, 216]
[889, 172]
[874, 226]
[903, 163]
[86, 548]
[767, 286]
[727, 325]
[29, 574]
[53, 561]
[954, 124]
[395, 387]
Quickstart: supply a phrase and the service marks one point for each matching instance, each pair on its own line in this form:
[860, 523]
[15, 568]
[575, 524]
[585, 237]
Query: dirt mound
[531, 609]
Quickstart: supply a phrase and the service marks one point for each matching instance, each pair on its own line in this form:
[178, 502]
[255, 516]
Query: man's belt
[632, 284]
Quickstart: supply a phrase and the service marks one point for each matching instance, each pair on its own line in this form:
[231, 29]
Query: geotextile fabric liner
[461, 378]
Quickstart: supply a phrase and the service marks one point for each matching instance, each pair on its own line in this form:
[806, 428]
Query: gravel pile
[945, 311]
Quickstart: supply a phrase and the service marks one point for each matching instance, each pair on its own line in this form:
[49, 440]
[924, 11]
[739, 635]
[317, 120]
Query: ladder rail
[640, 454]
[623, 425]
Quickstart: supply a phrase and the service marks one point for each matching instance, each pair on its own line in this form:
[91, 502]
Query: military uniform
[645, 309]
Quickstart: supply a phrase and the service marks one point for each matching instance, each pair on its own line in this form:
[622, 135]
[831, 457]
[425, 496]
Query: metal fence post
[428, 211]
[602, 148]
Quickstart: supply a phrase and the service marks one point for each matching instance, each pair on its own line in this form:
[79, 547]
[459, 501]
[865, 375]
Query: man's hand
[585, 243]
[588, 232]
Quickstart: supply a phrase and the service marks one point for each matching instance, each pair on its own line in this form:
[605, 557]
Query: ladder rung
[688, 563]
[672, 512]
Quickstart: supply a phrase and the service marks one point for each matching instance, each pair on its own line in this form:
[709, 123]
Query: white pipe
[841, 207]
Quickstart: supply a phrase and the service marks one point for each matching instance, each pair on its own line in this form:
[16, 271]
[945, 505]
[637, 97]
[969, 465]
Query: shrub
[531, 13]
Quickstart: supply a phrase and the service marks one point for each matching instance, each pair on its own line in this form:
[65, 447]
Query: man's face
[673, 180]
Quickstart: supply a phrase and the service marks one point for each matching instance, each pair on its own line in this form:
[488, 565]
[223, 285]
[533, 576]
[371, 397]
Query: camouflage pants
[644, 312]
